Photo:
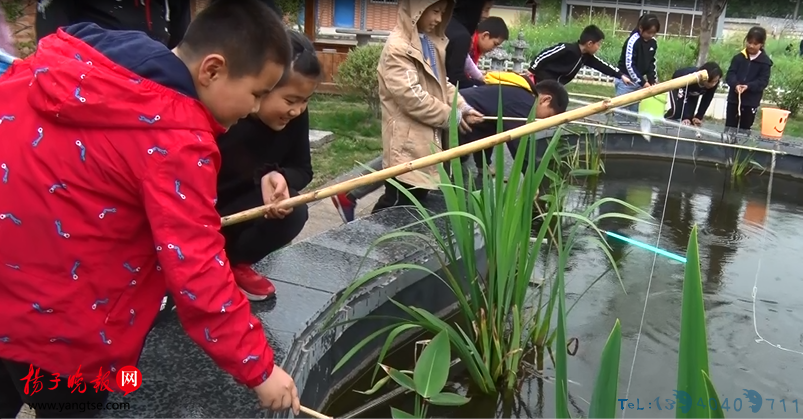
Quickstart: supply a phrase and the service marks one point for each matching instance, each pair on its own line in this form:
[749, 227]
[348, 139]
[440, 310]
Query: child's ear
[544, 100]
[485, 35]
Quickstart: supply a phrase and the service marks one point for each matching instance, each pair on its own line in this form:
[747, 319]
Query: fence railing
[590, 75]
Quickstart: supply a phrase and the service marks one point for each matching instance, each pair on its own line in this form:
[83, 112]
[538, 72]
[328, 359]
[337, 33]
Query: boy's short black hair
[713, 69]
[560, 97]
[591, 33]
[756, 34]
[495, 26]
[246, 32]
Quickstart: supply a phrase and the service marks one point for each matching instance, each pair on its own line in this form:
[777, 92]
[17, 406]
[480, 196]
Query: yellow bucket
[773, 122]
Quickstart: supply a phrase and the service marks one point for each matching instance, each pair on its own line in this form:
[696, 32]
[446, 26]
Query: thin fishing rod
[669, 122]
[670, 137]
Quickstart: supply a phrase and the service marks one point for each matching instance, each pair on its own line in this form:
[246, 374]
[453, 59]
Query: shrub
[786, 87]
[357, 75]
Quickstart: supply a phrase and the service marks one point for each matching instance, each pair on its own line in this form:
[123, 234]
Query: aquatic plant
[585, 155]
[742, 163]
[495, 327]
[695, 393]
[426, 381]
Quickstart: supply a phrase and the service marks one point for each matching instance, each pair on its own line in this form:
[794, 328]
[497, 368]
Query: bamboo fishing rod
[669, 137]
[471, 148]
[313, 413]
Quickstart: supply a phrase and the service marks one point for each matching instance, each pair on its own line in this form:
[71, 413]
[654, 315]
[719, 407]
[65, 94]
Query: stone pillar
[519, 47]
[498, 58]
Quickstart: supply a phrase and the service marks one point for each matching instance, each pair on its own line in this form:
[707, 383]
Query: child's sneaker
[255, 286]
[345, 207]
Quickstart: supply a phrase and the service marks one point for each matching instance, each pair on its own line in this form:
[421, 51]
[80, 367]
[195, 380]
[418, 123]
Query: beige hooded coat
[415, 103]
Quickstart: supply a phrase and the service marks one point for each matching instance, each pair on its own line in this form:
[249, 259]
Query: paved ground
[323, 215]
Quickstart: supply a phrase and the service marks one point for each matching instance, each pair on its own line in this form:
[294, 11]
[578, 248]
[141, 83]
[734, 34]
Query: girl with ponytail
[266, 159]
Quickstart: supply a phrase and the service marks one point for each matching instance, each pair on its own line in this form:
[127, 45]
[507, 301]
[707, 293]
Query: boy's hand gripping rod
[473, 147]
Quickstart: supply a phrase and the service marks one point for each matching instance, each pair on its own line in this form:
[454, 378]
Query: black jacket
[250, 150]
[460, 32]
[638, 59]
[687, 98]
[753, 73]
[563, 61]
[163, 20]
[517, 102]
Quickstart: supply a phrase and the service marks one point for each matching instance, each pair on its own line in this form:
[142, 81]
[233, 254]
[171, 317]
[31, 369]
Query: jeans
[622, 89]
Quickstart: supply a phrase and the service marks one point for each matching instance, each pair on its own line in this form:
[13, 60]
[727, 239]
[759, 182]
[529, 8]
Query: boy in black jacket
[747, 77]
[460, 31]
[638, 58]
[563, 61]
[684, 102]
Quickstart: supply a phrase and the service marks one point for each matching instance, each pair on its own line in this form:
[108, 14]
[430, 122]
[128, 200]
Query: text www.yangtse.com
[79, 407]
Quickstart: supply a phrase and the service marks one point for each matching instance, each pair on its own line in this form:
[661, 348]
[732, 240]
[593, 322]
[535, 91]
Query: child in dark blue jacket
[683, 102]
[638, 58]
[747, 77]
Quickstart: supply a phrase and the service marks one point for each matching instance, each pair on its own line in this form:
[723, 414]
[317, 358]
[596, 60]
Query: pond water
[739, 241]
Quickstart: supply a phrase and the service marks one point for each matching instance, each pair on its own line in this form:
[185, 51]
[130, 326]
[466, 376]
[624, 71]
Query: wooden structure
[678, 17]
[330, 52]
[533, 9]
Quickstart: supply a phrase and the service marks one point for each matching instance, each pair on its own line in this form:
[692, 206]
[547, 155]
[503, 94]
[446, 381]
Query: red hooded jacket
[107, 200]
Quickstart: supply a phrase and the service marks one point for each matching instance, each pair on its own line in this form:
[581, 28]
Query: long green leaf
[432, 369]
[448, 399]
[714, 405]
[399, 377]
[603, 401]
[400, 414]
[356, 348]
[379, 384]
[693, 347]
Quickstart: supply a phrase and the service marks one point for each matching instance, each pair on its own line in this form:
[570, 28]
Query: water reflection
[741, 243]
[732, 220]
[721, 227]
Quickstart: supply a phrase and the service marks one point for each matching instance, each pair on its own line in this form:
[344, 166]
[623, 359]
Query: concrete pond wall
[179, 380]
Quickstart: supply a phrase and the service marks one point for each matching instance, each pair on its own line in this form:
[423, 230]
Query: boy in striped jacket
[563, 61]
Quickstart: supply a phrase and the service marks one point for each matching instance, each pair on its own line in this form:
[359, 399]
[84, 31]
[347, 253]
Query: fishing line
[654, 259]
[760, 339]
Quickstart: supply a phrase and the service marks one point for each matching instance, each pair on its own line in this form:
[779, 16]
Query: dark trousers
[393, 197]
[743, 121]
[676, 107]
[63, 402]
[250, 241]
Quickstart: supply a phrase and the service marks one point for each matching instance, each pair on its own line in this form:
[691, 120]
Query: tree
[712, 10]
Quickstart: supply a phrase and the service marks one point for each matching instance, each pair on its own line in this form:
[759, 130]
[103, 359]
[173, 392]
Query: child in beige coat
[416, 98]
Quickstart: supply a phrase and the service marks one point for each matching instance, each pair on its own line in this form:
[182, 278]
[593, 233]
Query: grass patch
[357, 136]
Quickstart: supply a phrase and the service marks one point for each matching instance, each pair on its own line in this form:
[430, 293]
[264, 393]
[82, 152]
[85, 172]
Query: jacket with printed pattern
[107, 201]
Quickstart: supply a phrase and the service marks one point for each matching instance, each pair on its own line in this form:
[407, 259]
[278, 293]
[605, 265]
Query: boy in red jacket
[108, 167]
